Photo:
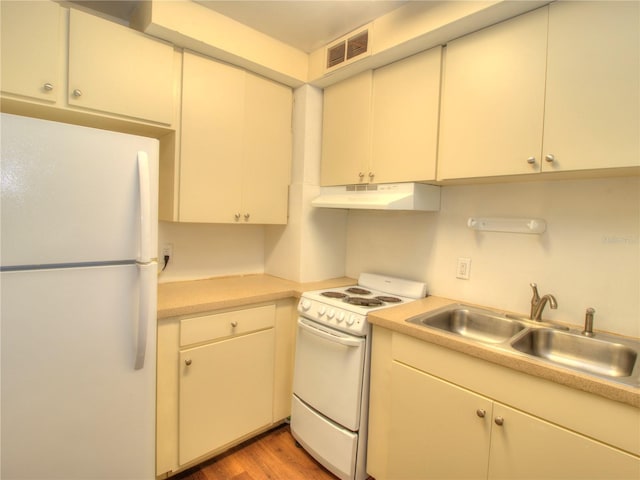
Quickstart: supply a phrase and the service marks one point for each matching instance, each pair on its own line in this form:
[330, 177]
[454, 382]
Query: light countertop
[199, 296]
[395, 319]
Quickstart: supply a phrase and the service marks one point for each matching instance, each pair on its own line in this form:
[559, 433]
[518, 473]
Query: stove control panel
[338, 318]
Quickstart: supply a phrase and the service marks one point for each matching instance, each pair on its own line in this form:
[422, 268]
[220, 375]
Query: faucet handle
[588, 322]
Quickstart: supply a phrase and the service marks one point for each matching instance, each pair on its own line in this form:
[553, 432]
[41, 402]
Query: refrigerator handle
[145, 208]
[146, 282]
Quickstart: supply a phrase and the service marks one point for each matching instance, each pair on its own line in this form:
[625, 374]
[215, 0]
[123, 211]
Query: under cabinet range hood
[388, 196]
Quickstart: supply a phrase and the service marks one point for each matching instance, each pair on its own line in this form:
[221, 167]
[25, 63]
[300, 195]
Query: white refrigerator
[78, 243]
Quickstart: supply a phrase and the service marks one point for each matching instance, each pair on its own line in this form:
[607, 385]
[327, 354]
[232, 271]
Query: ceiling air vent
[348, 48]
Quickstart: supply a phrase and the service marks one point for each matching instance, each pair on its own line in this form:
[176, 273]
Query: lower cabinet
[466, 421]
[222, 378]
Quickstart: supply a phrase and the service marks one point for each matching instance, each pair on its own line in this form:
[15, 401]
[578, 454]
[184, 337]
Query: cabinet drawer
[227, 324]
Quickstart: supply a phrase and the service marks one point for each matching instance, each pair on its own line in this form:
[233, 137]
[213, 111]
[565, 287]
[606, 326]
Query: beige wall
[588, 257]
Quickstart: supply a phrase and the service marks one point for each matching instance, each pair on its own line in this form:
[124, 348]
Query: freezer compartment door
[329, 443]
[73, 404]
[72, 194]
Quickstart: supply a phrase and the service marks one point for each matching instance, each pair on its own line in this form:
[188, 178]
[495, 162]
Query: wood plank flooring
[272, 455]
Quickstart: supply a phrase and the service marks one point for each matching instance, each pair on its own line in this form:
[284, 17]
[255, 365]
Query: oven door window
[329, 372]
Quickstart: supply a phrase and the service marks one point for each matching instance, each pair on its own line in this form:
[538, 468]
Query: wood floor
[272, 455]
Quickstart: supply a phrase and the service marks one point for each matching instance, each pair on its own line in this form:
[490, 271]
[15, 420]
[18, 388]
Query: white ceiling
[303, 24]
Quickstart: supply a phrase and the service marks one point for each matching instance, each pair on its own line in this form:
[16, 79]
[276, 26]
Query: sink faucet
[538, 303]
[588, 323]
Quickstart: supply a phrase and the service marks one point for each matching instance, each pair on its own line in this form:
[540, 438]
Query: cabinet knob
[531, 160]
[481, 413]
[48, 87]
[237, 216]
[371, 175]
[77, 92]
[361, 175]
[246, 217]
[187, 362]
[499, 421]
[234, 324]
[550, 158]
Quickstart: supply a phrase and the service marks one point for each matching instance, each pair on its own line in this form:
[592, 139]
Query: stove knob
[351, 319]
[340, 317]
[322, 310]
[305, 305]
[331, 313]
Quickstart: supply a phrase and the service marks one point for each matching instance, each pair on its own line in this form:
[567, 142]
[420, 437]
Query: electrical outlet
[463, 270]
[167, 250]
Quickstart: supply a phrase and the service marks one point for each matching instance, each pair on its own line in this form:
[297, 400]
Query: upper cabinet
[32, 45]
[592, 110]
[115, 69]
[515, 103]
[82, 64]
[235, 149]
[381, 126]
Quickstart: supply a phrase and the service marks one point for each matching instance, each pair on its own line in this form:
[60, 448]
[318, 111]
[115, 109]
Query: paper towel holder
[509, 225]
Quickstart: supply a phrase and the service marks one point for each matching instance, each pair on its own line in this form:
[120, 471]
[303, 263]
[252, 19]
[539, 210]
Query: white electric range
[331, 378]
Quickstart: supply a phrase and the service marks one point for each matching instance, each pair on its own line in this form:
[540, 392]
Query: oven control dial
[351, 319]
[331, 313]
[322, 310]
[340, 317]
[305, 305]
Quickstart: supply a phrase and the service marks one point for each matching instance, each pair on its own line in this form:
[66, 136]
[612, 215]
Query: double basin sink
[606, 356]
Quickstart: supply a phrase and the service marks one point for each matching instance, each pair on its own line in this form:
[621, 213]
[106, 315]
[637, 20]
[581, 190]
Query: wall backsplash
[588, 257]
[205, 250]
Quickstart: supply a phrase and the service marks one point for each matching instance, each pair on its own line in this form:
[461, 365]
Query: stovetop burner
[387, 299]
[364, 302]
[358, 291]
[332, 294]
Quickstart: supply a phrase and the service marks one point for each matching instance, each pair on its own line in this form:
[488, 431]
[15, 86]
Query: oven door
[329, 372]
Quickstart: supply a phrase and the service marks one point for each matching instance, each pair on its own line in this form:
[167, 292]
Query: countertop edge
[395, 319]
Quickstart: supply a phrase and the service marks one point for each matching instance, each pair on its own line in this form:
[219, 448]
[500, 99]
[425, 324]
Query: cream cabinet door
[405, 109]
[226, 391]
[346, 131]
[267, 151]
[525, 447]
[438, 430]
[493, 100]
[593, 86]
[32, 49]
[118, 70]
[213, 106]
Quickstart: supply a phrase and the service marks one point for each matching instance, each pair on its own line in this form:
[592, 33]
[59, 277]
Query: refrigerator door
[72, 195]
[73, 405]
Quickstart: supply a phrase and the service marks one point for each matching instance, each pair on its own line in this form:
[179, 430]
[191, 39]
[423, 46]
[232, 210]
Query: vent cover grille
[348, 49]
[357, 45]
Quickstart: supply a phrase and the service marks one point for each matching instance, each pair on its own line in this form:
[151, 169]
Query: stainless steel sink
[473, 323]
[592, 355]
[607, 356]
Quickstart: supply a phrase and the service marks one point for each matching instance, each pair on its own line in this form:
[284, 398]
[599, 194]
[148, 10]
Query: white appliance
[78, 302]
[329, 410]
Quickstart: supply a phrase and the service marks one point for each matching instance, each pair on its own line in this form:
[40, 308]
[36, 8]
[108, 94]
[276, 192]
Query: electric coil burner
[329, 410]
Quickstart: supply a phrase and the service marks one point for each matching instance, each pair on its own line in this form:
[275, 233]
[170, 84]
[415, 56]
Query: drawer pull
[187, 362]
[234, 324]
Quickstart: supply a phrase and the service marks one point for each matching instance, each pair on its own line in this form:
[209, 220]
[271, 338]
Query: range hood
[388, 196]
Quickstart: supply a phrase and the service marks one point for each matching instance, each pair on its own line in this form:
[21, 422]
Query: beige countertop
[199, 296]
[395, 319]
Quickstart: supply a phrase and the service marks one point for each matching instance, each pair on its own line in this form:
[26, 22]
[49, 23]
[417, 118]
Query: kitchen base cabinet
[226, 391]
[223, 377]
[436, 414]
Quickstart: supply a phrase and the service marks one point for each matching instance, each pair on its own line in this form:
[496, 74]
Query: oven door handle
[346, 341]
